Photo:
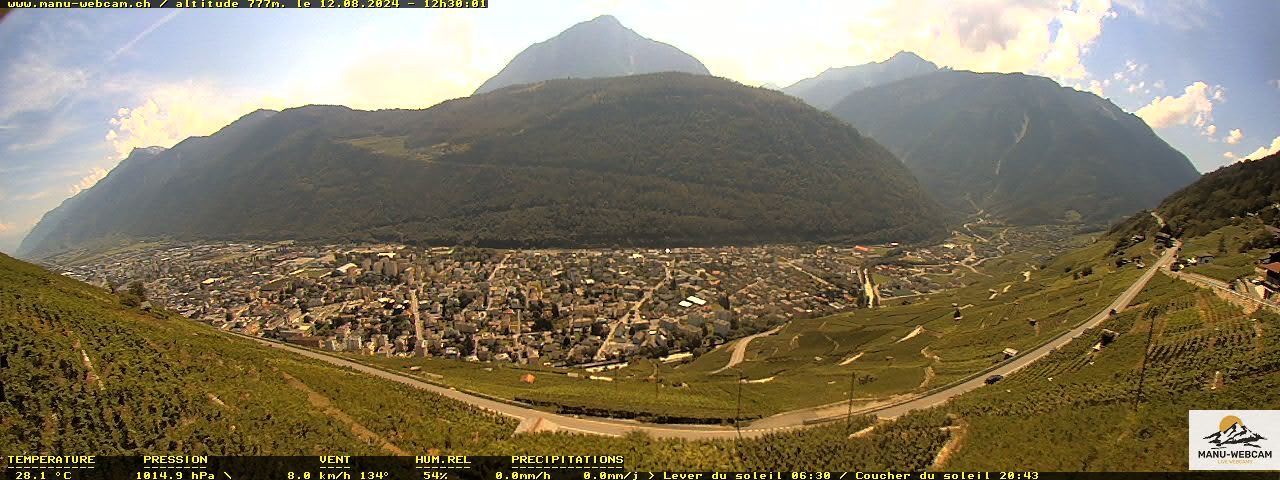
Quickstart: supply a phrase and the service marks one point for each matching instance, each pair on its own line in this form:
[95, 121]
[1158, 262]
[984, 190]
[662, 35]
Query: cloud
[1193, 107]
[47, 134]
[1234, 136]
[1048, 37]
[169, 113]
[1275, 83]
[1264, 150]
[97, 173]
[5, 228]
[35, 84]
[1180, 14]
[382, 76]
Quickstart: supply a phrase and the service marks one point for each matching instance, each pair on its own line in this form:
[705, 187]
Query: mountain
[1236, 434]
[826, 89]
[667, 158]
[601, 47]
[1021, 147]
[1236, 190]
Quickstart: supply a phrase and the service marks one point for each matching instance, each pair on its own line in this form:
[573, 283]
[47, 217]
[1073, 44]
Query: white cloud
[1194, 107]
[382, 76]
[1234, 136]
[1210, 131]
[1095, 87]
[6, 228]
[1275, 83]
[1048, 37]
[1264, 150]
[97, 173]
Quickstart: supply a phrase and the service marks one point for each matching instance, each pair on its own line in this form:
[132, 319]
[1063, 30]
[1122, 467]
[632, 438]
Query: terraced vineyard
[73, 359]
[1075, 409]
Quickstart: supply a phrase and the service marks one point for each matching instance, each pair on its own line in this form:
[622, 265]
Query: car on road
[994, 378]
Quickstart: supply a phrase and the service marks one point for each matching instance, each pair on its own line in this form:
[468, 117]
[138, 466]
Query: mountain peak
[905, 56]
[600, 47]
[605, 20]
[833, 84]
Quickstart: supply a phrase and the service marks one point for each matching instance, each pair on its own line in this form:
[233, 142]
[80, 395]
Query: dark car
[994, 378]
[1112, 312]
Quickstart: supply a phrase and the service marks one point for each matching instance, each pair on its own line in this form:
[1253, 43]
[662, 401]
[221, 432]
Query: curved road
[783, 421]
[740, 348]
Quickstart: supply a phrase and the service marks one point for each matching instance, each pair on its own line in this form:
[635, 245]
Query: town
[560, 307]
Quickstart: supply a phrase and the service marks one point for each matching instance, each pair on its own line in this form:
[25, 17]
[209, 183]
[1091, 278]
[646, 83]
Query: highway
[783, 421]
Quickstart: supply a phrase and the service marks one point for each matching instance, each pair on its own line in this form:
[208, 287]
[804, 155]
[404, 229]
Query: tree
[137, 288]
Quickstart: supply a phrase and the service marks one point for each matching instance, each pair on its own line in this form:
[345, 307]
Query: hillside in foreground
[133, 381]
[84, 374]
[653, 159]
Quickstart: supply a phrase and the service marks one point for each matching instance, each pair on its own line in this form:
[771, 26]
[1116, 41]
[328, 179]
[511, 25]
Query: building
[1269, 280]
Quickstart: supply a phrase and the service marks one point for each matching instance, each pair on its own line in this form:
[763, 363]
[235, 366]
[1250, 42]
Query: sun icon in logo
[1228, 421]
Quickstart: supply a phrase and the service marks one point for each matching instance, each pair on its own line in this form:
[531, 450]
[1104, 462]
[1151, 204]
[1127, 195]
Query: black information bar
[441, 467]
[452, 4]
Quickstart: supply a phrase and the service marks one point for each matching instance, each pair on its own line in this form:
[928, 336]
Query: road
[740, 348]
[783, 421]
[806, 272]
[488, 294]
[1220, 285]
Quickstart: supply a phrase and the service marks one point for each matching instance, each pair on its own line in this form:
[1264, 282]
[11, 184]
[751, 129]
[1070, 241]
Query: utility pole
[737, 416]
[1137, 396]
[848, 417]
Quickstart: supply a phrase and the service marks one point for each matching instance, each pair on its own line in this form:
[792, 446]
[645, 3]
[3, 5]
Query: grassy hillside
[74, 359]
[1250, 188]
[651, 159]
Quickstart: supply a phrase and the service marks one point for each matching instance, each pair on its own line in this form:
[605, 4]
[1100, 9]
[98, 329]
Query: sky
[79, 89]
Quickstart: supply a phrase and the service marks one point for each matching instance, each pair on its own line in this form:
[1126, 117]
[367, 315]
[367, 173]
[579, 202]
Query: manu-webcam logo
[1233, 439]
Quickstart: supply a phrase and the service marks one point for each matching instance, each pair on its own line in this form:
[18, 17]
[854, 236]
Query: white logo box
[1252, 443]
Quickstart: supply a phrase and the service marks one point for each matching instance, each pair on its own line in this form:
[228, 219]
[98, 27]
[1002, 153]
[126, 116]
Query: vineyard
[909, 443]
[72, 359]
[127, 381]
[1075, 409]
